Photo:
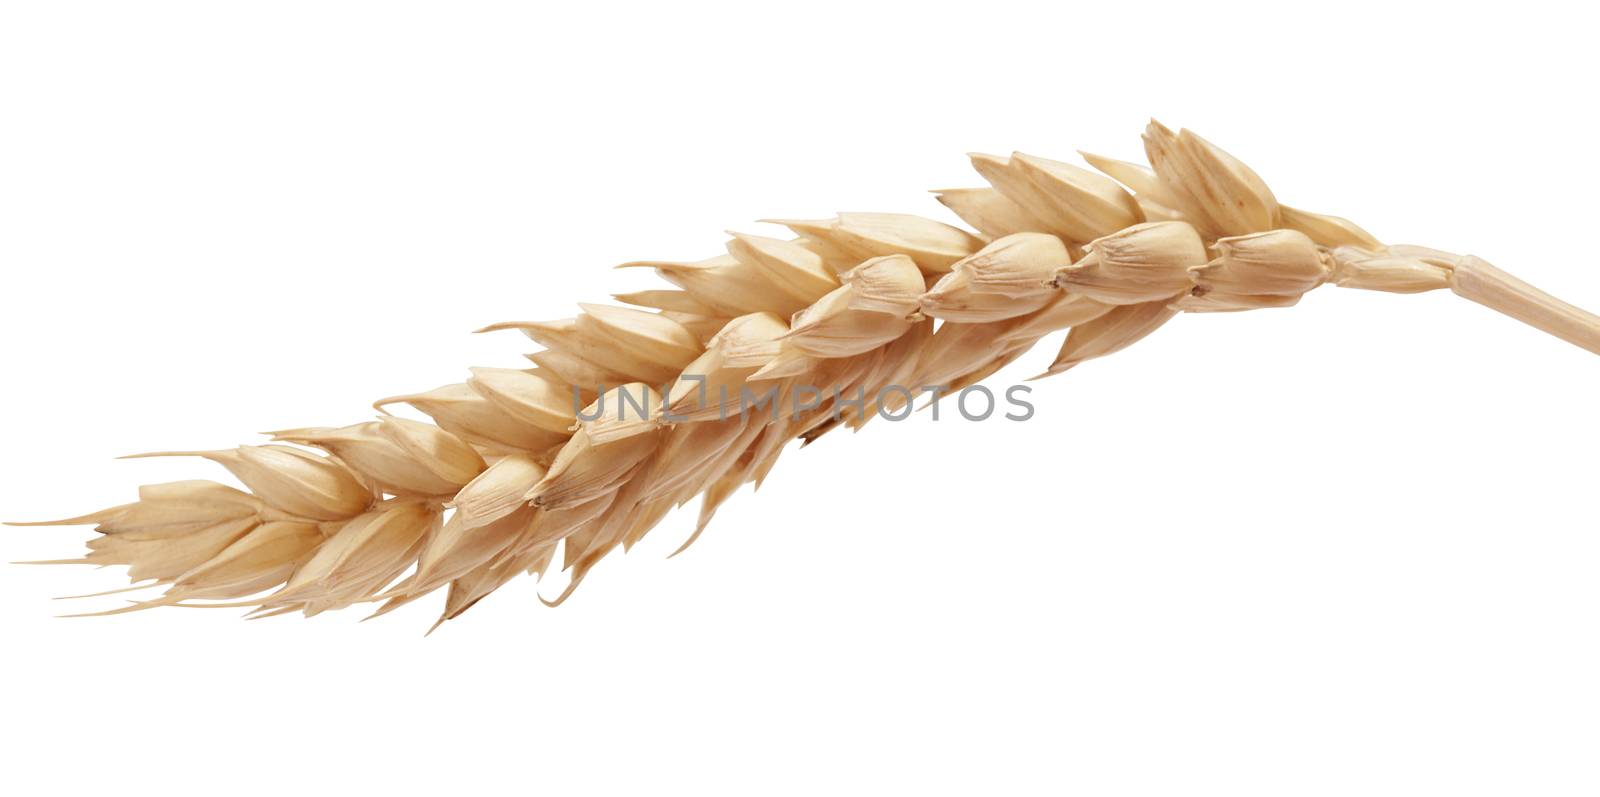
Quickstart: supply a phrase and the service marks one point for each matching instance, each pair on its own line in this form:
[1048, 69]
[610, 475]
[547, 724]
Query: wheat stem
[1476, 280]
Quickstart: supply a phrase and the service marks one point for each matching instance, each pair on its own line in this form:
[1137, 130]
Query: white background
[1345, 548]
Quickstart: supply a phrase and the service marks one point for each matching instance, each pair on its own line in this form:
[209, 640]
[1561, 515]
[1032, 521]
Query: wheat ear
[513, 472]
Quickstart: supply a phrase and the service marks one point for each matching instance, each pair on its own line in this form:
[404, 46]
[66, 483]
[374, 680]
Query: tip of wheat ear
[525, 471]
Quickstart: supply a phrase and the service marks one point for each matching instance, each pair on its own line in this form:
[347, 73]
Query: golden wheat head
[631, 411]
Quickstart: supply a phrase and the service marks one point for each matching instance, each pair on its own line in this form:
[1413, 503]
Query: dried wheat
[512, 473]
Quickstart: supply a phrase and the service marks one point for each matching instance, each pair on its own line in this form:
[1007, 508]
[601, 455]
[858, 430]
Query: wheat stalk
[512, 472]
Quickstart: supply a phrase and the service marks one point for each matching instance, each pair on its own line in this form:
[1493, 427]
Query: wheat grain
[512, 472]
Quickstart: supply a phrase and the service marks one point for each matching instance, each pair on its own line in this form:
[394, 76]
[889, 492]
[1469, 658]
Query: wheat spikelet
[631, 411]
